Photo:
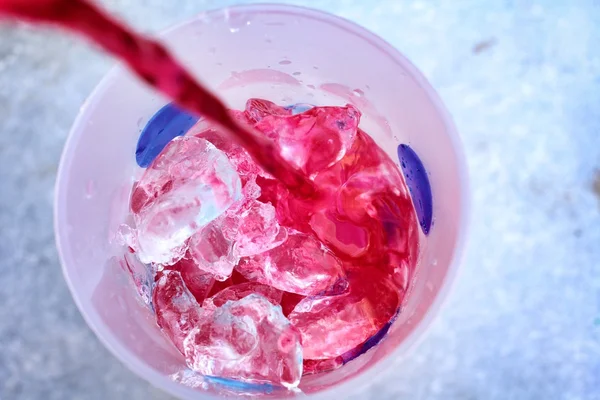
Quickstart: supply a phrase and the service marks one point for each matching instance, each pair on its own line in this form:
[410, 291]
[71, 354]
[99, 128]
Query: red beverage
[334, 271]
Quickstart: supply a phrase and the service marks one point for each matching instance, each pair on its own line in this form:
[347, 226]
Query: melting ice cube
[253, 228]
[238, 292]
[198, 282]
[312, 140]
[212, 252]
[177, 311]
[187, 186]
[300, 265]
[331, 326]
[248, 340]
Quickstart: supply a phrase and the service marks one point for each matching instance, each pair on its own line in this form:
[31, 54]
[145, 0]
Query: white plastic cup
[288, 55]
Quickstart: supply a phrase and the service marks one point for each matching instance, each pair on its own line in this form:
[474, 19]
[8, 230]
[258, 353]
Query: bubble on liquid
[358, 93]
[236, 21]
[90, 189]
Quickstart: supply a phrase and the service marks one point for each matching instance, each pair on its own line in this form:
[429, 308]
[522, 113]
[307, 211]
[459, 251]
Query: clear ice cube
[312, 140]
[239, 157]
[331, 326]
[142, 276]
[212, 251]
[198, 281]
[187, 186]
[300, 265]
[177, 311]
[238, 292]
[248, 340]
[253, 228]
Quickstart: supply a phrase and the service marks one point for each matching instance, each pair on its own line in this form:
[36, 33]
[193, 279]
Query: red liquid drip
[151, 61]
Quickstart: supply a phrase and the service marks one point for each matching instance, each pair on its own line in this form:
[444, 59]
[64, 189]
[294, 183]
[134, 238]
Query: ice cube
[253, 228]
[126, 236]
[355, 197]
[248, 340]
[331, 326]
[313, 140]
[237, 292]
[142, 276]
[371, 218]
[312, 367]
[239, 157]
[292, 210]
[300, 265]
[235, 279]
[362, 156]
[177, 311]
[187, 186]
[340, 234]
[257, 109]
[198, 282]
[251, 189]
[212, 252]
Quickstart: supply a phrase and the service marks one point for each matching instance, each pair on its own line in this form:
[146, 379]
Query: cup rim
[365, 378]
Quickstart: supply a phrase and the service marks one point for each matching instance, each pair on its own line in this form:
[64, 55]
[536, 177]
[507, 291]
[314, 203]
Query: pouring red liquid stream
[382, 224]
[152, 62]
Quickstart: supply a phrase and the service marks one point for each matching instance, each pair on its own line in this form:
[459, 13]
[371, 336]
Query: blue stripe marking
[418, 185]
[168, 123]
